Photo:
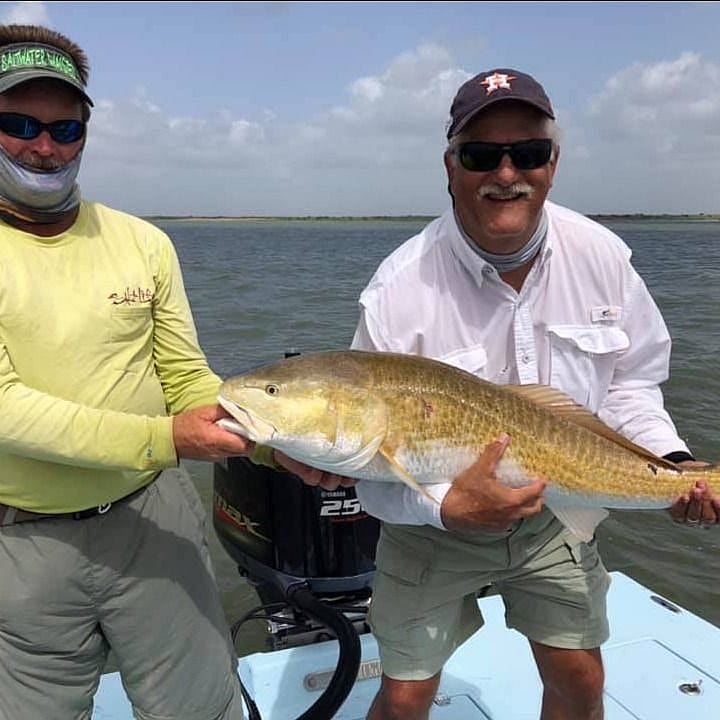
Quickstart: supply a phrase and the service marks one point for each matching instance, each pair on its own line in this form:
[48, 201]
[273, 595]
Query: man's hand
[700, 505]
[197, 436]
[477, 500]
[313, 476]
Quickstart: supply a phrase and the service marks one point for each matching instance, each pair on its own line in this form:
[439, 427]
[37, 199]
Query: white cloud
[677, 100]
[27, 13]
[416, 91]
[380, 152]
[650, 139]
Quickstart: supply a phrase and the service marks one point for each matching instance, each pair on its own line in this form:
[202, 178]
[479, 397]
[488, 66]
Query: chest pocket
[130, 335]
[128, 324]
[472, 359]
[582, 360]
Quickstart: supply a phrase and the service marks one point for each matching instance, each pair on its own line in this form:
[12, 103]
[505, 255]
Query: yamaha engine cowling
[281, 531]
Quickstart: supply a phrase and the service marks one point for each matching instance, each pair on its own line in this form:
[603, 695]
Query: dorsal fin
[565, 407]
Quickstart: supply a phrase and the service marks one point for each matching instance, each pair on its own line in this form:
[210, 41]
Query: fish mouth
[245, 423]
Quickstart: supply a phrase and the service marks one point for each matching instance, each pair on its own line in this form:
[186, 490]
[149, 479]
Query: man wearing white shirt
[514, 289]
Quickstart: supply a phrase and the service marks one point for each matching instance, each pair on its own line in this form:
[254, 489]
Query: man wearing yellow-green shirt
[103, 388]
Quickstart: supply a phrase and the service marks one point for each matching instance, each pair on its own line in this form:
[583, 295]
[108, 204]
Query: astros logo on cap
[497, 81]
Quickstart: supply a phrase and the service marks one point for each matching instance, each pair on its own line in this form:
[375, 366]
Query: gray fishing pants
[137, 579]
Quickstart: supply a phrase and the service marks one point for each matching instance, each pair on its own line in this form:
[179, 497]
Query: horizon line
[405, 216]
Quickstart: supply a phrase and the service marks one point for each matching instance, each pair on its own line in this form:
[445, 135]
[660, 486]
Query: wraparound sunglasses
[486, 156]
[27, 127]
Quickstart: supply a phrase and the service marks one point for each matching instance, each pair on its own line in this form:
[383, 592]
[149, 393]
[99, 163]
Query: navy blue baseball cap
[492, 87]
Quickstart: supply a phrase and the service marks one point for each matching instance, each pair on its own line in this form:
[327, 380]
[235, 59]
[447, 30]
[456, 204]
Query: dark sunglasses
[485, 156]
[26, 127]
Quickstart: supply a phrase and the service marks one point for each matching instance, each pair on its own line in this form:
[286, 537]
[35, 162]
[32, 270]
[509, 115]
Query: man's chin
[505, 234]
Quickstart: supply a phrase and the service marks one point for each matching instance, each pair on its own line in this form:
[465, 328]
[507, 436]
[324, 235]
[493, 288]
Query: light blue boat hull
[660, 664]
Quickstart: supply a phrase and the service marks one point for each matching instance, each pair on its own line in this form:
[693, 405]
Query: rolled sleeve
[401, 505]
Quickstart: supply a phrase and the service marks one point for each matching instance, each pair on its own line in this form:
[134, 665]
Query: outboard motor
[310, 554]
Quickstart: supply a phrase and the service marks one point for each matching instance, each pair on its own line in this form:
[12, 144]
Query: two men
[104, 388]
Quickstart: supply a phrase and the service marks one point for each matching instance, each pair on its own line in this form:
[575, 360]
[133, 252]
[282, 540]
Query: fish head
[311, 408]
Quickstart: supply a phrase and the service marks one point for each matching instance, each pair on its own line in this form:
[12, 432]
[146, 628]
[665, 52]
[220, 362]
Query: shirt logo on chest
[606, 313]
[132, 296]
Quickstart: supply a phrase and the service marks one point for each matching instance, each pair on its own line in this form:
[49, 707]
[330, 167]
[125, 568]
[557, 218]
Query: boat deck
[661, 663]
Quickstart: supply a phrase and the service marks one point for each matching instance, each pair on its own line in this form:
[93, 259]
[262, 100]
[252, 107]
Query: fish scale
[577, 461]
[393, 417]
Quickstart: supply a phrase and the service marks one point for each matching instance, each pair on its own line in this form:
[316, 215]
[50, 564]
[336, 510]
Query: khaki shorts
[424, 598]
[138, 580]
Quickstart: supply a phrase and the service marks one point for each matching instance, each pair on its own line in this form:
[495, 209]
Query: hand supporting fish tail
[700, 506]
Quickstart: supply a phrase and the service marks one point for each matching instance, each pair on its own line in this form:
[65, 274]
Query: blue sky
[293, 108]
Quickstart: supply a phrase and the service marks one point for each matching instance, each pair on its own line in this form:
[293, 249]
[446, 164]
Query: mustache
[36, 162]
[506, 192]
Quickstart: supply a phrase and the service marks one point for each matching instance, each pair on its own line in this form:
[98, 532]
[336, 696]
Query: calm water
[260, 288]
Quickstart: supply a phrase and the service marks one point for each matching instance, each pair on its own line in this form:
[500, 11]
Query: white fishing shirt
[583, 322]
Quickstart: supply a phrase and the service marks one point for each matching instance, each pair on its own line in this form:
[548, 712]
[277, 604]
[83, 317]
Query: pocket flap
[471, 359]
[596, 340]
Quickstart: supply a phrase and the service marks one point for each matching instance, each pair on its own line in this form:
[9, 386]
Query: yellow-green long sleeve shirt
[97, 348]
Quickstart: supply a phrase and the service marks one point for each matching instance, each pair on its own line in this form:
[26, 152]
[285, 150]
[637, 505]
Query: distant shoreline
[702, 217]
[664, 216]
[284, 218]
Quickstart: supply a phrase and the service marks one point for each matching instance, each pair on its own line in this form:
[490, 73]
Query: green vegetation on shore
[649, 216]
[413, 218]
[284, 218]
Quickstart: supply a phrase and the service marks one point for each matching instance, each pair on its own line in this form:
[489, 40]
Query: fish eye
[272, 389]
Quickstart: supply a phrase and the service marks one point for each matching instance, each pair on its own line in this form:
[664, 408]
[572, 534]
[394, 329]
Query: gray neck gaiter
[36, 195]
[511, 261]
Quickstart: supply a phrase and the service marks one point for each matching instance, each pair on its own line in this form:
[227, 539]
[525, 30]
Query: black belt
[11, 515]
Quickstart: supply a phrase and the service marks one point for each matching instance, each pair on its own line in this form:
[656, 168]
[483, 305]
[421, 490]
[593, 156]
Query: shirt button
[526, 359]
[487, 270]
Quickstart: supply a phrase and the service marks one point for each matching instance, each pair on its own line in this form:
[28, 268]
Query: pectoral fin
[402, 474]
[580, 521]
[348, 464]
